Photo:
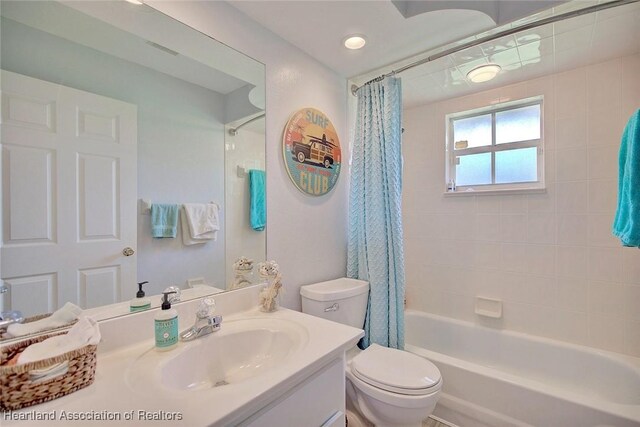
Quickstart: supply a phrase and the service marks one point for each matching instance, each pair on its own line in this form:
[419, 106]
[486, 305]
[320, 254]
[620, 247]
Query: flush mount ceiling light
[136, 2]
[354, 42]
[483, 73]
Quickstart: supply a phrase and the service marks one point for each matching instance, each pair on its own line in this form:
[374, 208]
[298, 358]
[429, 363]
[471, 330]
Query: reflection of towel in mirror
[203, 220]
[257, 187]
[85, 332]
[187, 240]
[67, 314]
[164, 220]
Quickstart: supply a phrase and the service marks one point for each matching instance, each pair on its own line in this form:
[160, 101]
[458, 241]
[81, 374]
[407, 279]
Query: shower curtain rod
[507, 32]
[234, 131]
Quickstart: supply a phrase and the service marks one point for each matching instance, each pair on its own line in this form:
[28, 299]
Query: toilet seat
[396, 371]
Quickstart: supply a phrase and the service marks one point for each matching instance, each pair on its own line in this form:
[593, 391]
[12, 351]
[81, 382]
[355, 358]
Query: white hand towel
[187, 240]
[65, 315]
[202, 219]
[86, 331]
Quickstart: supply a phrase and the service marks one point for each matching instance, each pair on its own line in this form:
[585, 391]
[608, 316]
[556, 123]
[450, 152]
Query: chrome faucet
[9, 317]
[206, 322]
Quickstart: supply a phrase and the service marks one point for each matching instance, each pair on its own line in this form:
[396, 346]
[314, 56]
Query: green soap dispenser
[140, 302]
[166, 325]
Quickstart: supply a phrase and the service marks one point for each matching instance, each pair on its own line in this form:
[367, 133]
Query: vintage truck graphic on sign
[317, 150]
[311, 151]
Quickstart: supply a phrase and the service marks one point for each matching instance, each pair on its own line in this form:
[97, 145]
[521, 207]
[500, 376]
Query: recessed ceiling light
[136, 2]
[483, 73]
[354, 42]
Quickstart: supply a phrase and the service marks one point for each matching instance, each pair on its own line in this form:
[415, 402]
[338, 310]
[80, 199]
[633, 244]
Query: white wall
[294, 80]
[550, 257]
[180, 142]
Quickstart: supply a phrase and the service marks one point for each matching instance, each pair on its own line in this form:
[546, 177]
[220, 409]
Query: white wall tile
[630, 84]
[603, 195]
[604, 127]
[513, 204]
[572, 229]
[531, 319]
[607, 333]
[571, 131]
[488, 227]
[632, 302]
[571, 327]
[604, 85]
[571, 164]
[543, 202]
[488, 254]
[541, 260]
[491, 283]
[572, 261]
[570, 93]
[605, 264]
[632, 338]
[514, 257]
[631, 266]
[550, 175]
[513, 228]
[603, 162]
[488, 205]
[572, 294]
[541, 228]
[600, 231]
[571, 197]
[549, 256]
[606, 299]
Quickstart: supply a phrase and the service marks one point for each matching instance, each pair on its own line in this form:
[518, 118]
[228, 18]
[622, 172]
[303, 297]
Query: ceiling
[548, 49]
[84, 23]
[319, 27]
[394, 29]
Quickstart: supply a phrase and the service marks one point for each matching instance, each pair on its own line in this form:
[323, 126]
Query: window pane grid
[493, 143]
[511, 156]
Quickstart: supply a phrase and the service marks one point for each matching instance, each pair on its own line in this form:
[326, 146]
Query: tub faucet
[206, 322]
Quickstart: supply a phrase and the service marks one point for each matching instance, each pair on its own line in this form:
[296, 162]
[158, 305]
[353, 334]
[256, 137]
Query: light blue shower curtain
[375, 218]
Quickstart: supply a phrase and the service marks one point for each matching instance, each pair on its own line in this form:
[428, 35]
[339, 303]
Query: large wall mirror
[114, 116]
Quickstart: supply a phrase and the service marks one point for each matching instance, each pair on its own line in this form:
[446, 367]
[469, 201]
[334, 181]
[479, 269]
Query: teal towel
[164, 220]
[626, 224]
[257, 184]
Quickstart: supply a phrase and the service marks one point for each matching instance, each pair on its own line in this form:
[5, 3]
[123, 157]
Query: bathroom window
[495, 149]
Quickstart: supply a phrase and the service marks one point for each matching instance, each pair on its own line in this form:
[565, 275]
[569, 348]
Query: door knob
[128, 251]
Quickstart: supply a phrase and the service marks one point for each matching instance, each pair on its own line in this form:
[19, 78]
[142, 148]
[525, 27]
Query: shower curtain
[375, 252]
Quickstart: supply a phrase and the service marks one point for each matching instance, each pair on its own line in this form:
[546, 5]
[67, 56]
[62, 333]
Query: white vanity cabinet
[319, 401]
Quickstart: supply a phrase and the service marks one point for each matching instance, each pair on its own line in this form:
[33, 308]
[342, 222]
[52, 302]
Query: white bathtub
[502, 378]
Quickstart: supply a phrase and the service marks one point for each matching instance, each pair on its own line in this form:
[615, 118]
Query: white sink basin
[243, 349]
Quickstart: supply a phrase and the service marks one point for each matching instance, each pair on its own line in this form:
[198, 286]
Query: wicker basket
[19, 391]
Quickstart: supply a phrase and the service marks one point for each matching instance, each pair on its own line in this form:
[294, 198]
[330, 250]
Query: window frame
[493, 187]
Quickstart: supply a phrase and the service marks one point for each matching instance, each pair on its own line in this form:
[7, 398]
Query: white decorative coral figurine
[270, 271]
[243, 269]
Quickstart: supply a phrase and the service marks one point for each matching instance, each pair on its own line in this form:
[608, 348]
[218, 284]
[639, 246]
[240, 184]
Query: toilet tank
[342, 300]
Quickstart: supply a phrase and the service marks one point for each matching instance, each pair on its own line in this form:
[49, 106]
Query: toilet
[385, 387]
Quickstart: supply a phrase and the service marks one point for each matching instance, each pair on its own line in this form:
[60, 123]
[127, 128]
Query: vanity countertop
[113, 397]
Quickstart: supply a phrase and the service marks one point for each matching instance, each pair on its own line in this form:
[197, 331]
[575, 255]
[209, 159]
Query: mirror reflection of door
[69, 205]
[109, 108]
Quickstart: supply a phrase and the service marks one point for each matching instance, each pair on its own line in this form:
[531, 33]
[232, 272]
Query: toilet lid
[395, 370]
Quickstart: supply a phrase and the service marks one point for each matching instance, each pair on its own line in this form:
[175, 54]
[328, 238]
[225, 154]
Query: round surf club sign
[311, 150]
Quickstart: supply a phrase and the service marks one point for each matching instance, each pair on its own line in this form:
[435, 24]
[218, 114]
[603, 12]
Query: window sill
[494, 192]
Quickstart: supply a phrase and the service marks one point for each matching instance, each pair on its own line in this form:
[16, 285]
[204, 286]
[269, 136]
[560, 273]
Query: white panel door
[69, 189]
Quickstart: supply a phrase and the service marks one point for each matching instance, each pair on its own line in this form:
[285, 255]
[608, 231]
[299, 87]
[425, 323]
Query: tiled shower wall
[550, 257]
